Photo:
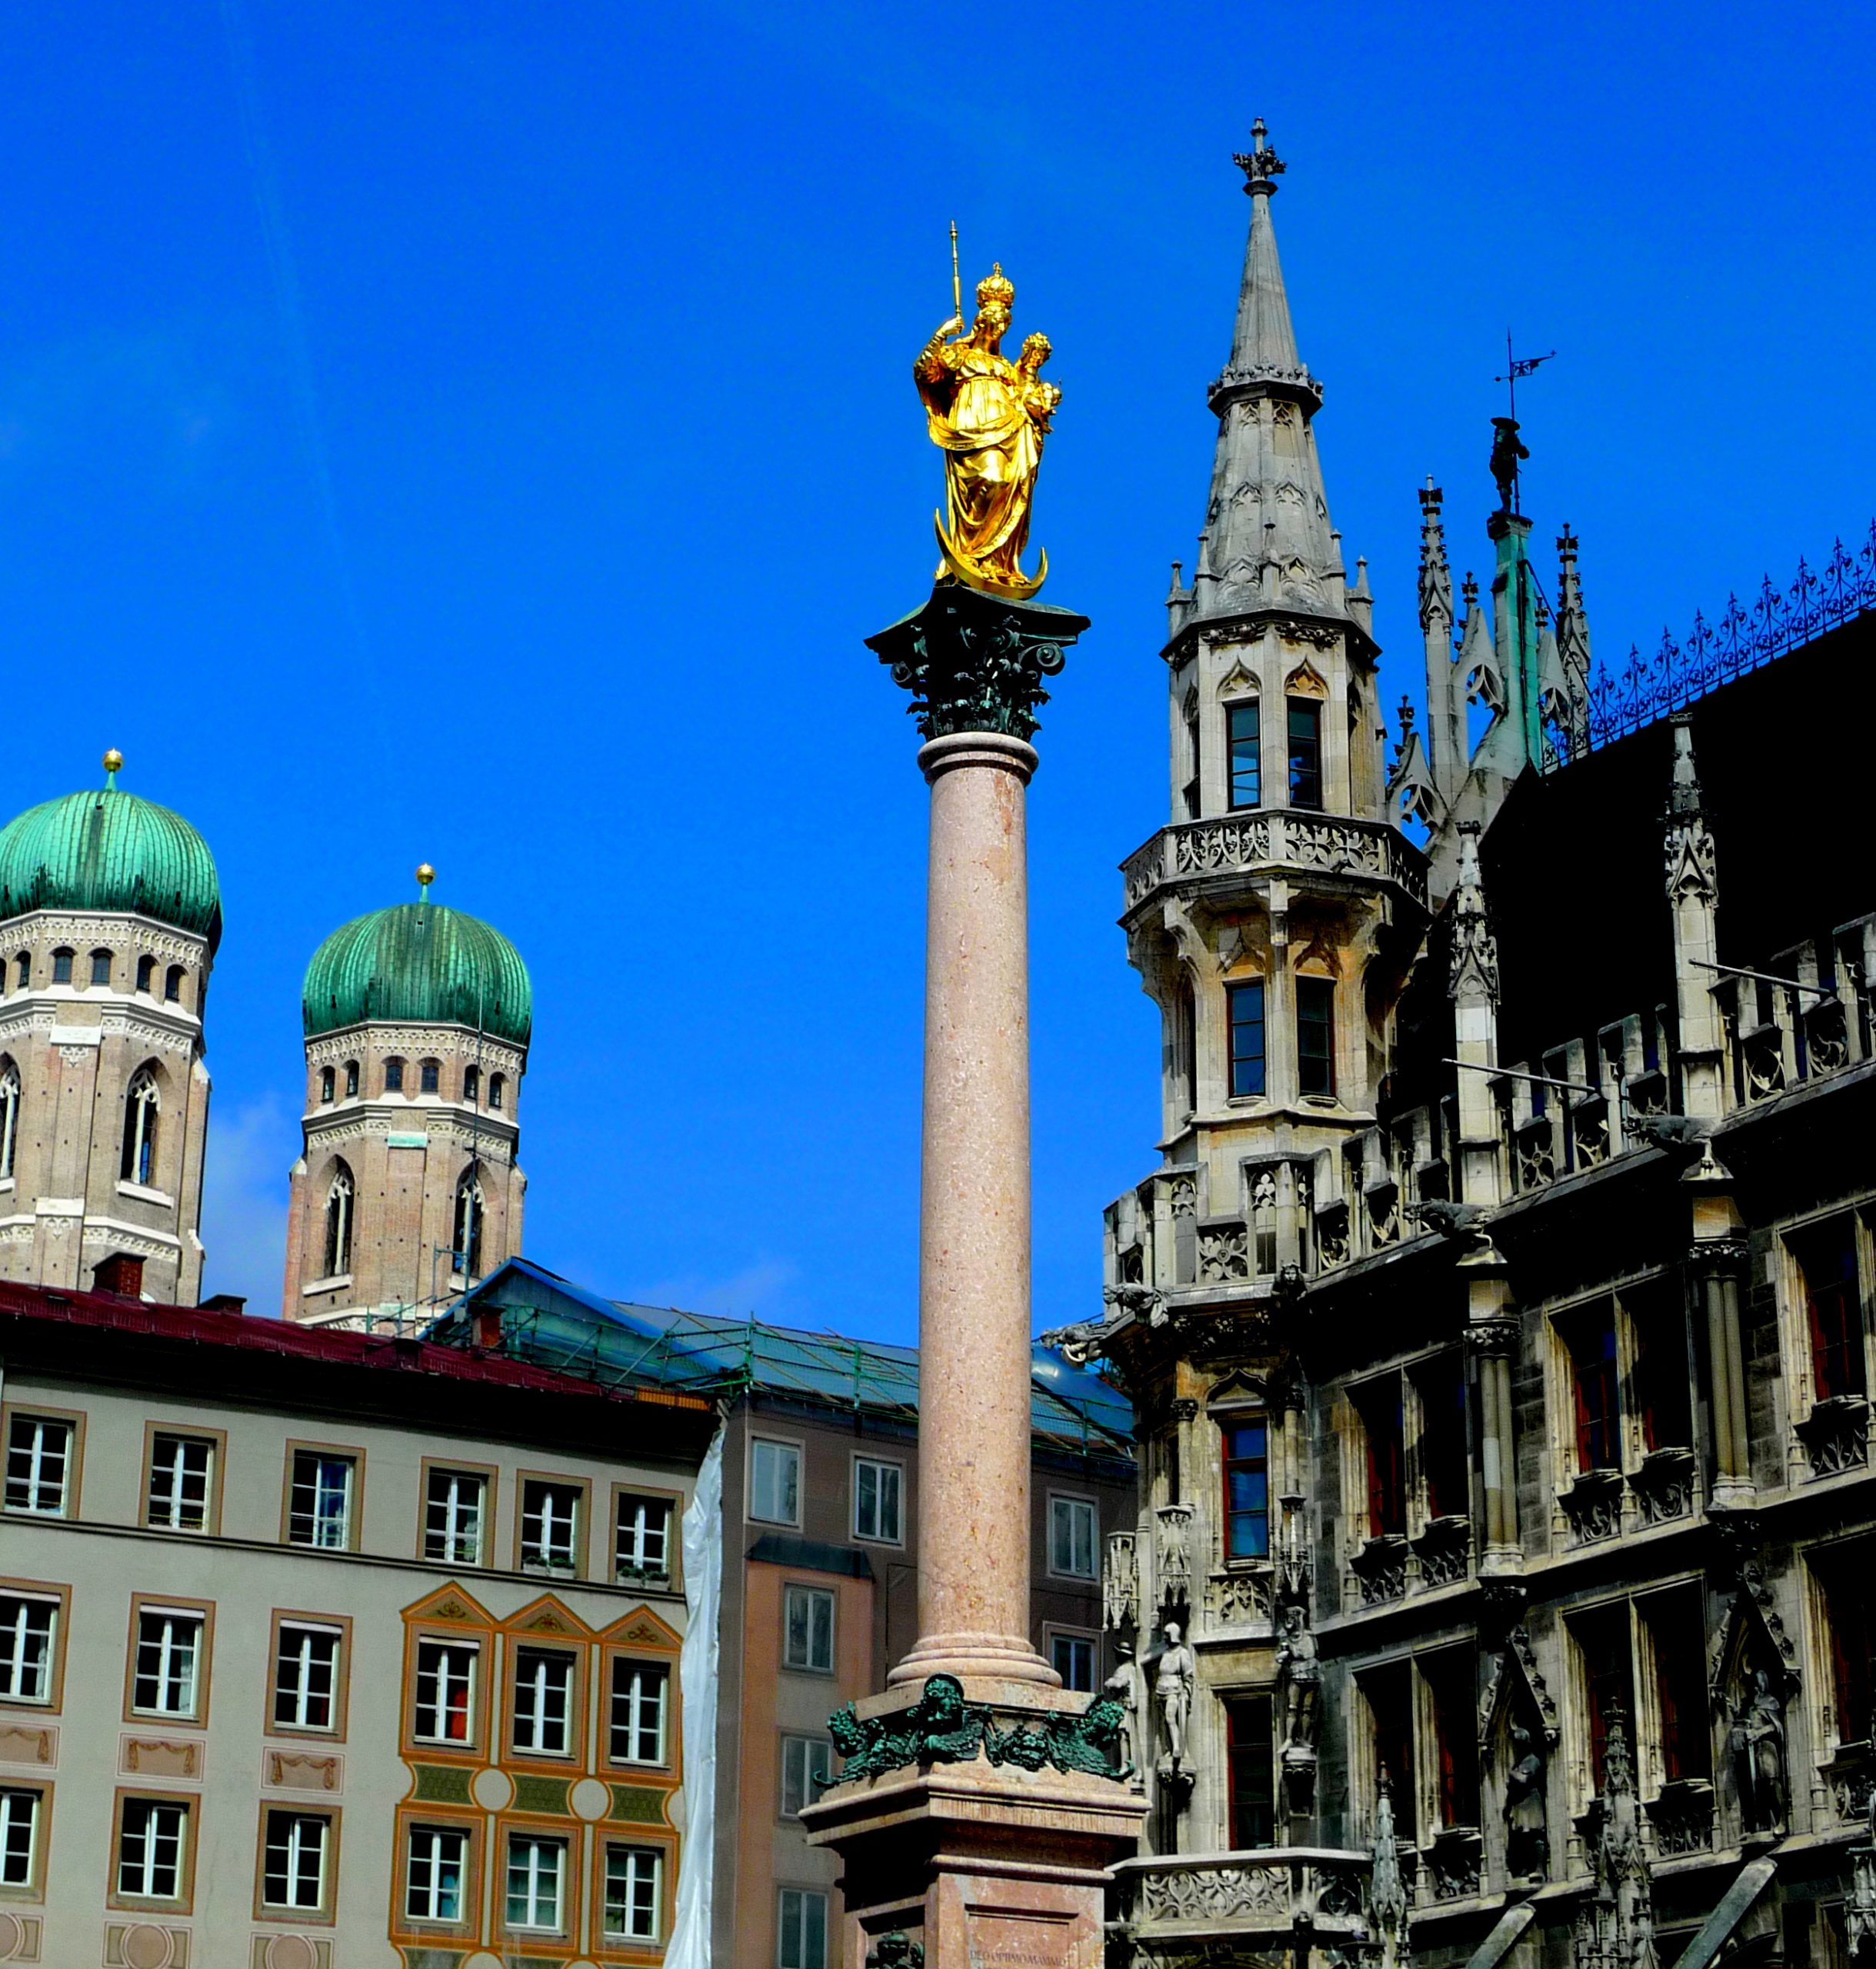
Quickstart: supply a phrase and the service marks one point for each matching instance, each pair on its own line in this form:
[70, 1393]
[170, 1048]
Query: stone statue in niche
[1755, 1746]
[1300, 1675]
[1127, 1685]
[1527, 1836]
[1176, 1672]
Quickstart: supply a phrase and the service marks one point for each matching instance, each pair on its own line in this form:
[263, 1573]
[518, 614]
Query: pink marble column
[974, 1321]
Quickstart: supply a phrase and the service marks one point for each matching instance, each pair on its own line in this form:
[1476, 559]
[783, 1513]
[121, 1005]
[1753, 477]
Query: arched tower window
[338, 1202]
[468, 1239]
[1190, 712]
[430, 1077]
[394, 1076]
[497, 1089]
[471, 1084]
[9, 1115]
[1243, 728]
[146, 973]
[62, 966]
[101, 966]
[328, 1083]
[352, 1080]
[172, 984]
[1306, 721]
[22, 966]
[141, 1104]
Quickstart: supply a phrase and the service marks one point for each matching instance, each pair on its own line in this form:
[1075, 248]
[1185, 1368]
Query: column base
[977, 1658]
[977, 1864]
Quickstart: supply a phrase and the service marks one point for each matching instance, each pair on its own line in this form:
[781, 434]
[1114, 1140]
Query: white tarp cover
[697, 1688]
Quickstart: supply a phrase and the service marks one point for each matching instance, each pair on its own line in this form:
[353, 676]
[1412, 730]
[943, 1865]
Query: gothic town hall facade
[1497, 1308]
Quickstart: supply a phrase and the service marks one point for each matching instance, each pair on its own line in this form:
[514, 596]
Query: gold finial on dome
[425, 876]
[113, 765]
[996, 288]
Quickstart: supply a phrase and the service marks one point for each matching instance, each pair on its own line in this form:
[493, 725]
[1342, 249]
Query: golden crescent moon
[1015, 590]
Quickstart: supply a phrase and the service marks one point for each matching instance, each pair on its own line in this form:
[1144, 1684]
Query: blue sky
[484, 433]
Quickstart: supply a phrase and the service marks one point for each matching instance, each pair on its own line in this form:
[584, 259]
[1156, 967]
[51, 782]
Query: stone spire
[1268, 542]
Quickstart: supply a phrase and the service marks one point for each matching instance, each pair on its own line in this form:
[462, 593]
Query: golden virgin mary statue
[989, 417]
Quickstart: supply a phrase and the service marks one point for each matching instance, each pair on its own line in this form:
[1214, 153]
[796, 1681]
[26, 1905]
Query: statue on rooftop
[989, 416]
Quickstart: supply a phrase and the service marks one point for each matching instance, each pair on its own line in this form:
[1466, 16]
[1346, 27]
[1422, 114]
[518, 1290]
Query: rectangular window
[453, 1507]
[1677, 1641]
[1072, 1657]
[1843, 1574]
[1451, 1675]
[641, 1538]
[62, 966]
[435, 1861]
[38, 1465]
[537, 1879]
[1244, 732]
[550, 1531]
[394, 1076]
[1245, 1005]
[181, 1477]
[640, 1700]
[1305, 754]
[306, 1677]
[1389, 1695]
[19, 1836]
[319, 1500]
[1315, 1035]
[1191, 795]
[1253, 1774]
[1827, 1258]
[152, 1841]
[1246, 1490]
[774, 1482]
[1445, 1468]
[807, 1770]
[101, 966]
[27, 1626]
[1383, 1427]
[1602, 1642]
[876, 1495]
[634, 1893]
[293, 1868]
[1663, 1390]
[1072, 1538]
[168, 1653]
[807, 1629]
[1590, 1337]
[445, 1712]
[430, 1077]
[543, 1700]
[801, 1929]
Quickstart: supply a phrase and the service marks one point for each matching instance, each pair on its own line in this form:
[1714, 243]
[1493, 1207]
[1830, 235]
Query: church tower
[110, 914]
[1273, 920]
[417, 1020]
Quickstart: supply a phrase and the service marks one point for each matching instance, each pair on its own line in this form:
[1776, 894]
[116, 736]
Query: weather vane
[1507, 453]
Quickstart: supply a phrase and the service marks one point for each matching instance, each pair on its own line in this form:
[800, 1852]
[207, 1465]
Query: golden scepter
[957, 291]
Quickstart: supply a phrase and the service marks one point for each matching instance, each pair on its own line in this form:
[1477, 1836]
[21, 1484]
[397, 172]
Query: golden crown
[995, 290]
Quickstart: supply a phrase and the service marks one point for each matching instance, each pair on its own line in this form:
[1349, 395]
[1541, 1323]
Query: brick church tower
[417, 1020]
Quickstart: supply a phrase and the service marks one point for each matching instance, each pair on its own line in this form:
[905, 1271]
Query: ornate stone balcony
[1665, 1485]
[1277, 839]
[1277, 1897]
[1241, 1596]
[1682, 1818]
[1444, 1549]
[1836, 1434]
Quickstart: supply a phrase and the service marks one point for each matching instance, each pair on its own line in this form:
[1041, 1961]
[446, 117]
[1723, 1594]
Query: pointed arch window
[468, 1238]
[497, 1089]
[352, 1080]
[339, 1198]
[9, 1116]
[146, 973]
[172, 984]
[141, 1105]
[394, 1076]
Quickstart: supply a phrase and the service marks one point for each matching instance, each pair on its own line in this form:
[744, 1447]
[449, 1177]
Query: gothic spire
[1267, 541]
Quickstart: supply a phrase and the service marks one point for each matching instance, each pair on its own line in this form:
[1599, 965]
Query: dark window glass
[1443, 1460]
[1192, 795]
[1246, 1490]
[1662, 1390]
[352, 1080]
[1186, 1019]
[146, 971]
[23, 969]
[471, 1084]
[430, 1077]
[1828, 1257]
[1680, 1641]
[394, 1076]
[497, 1089]
[1246, 1003]
[1591, 1338]
[1380, 1408]
[1315, 1035]
[101, 966]
[1305, 754]
[1243, 727]
[1390, 1701]
[62, 966]
[1451, 1677]
[1844, 1576]
[172, 984]
[326, 1084]
[1602, 1637]
[1253, 1772]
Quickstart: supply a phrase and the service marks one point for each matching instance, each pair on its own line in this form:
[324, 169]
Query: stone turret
[417, 1019]
[110, 914]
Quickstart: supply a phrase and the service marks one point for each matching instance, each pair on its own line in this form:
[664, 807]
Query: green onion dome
[108, 850]
[422, 962]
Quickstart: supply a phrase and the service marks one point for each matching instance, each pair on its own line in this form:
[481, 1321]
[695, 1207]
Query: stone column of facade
[1717, 1258]
[978, 1808]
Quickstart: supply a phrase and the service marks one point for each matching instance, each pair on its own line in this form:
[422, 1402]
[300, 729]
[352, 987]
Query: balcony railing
[1278, 1894]
[1277, 838]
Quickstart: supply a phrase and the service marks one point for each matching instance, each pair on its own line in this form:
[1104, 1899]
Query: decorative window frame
[74, 1460]
[32, 1893]
[183, 1903]
[476, 1626]
[406, 1928]
[355, 1512]
[509, 1825]
[607, 1947]
[674, 1537]
[490, 1475]
[583, 1530]
[286, 1616]
[218, 1477]
[187, 1605]
[61, 1597]
[326, 1913]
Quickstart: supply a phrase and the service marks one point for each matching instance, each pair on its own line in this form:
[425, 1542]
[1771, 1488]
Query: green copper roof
[420, 961]
[110, 850]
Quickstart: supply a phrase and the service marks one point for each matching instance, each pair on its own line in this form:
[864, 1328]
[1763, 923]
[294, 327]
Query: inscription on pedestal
[1016, 1938]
